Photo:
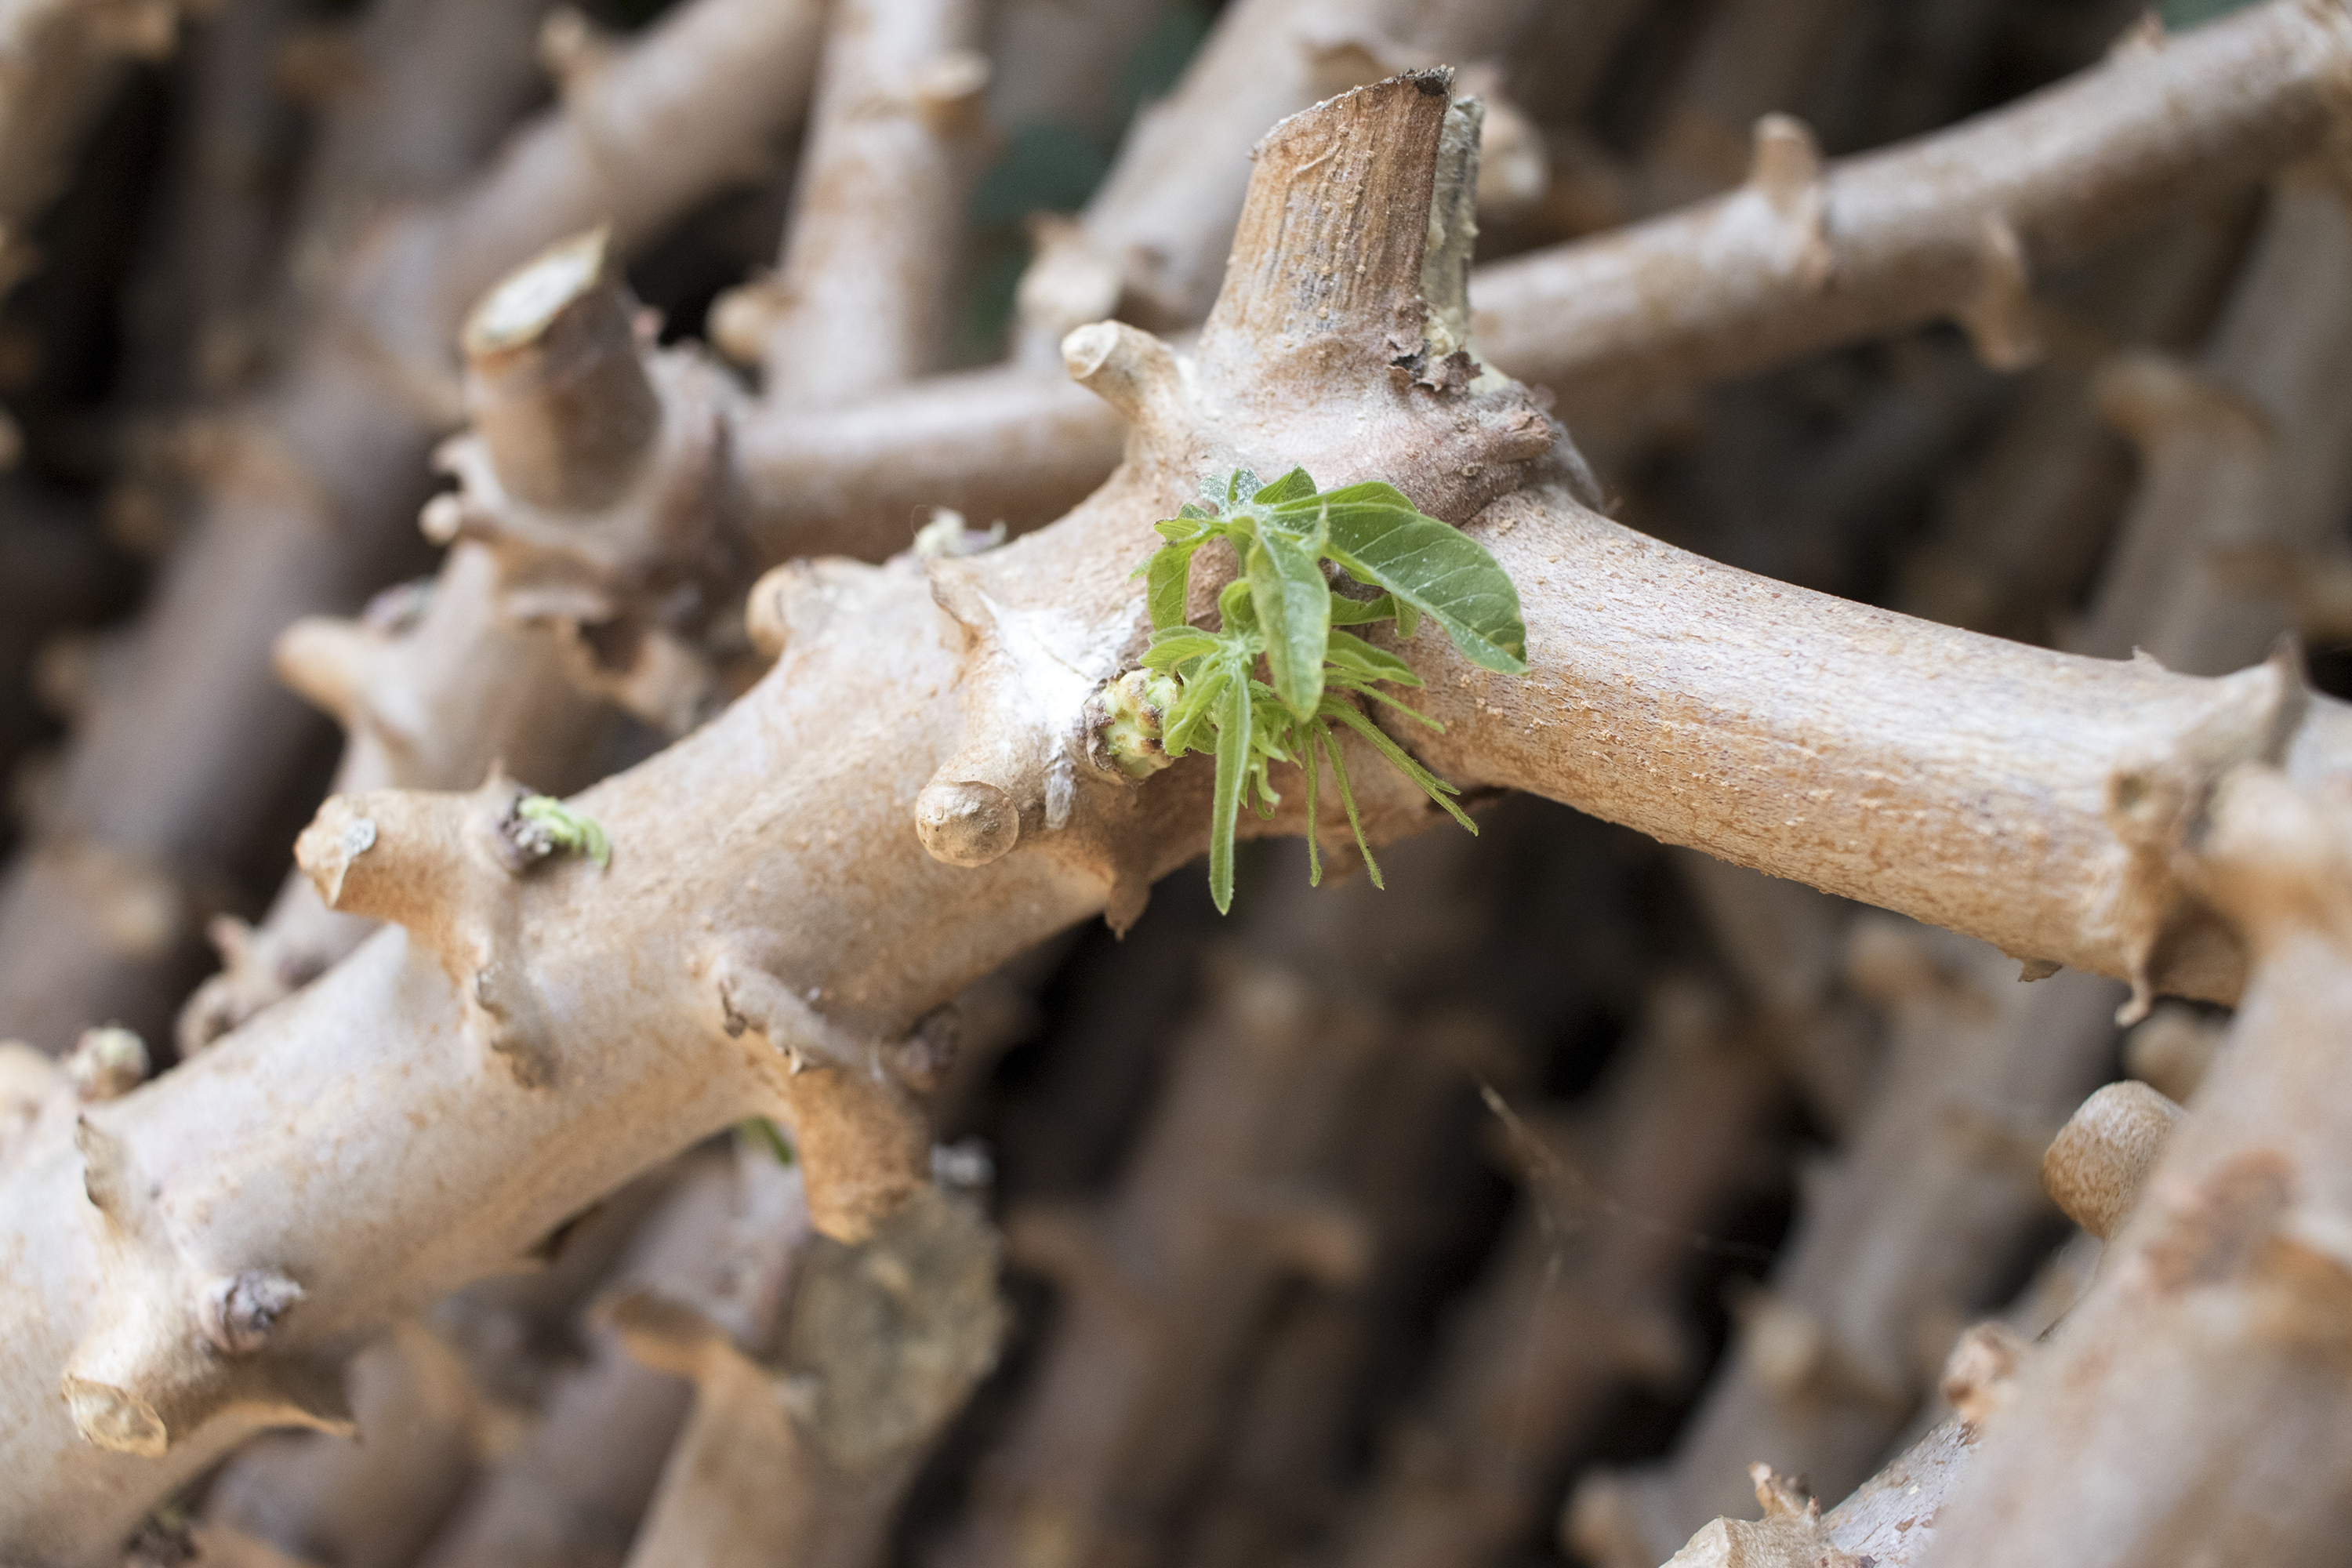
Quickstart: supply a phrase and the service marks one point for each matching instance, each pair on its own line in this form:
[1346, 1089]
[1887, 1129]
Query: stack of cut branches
[625, 634]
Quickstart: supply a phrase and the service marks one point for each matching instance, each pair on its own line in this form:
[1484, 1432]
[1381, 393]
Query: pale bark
[1151, 244]
[876, 237]
[2191, 1413]
[96, 911]
[765, 879]
[1908, 1223]
[312, 483]
[445, 1393]
[1954, 226]
[574, 1490]
[804, 1445]
[441, 682]
[1906, 237]
[370, 1503]
[1891, 1519]
[2247, 457]
[585, 462]
[1007, 445]
[2262, 473]
[1155, 233]
[1896, 1236]
[430, 691]
[1696, 703]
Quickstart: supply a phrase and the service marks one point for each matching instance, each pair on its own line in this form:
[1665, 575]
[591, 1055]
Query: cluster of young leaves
[1286, 610]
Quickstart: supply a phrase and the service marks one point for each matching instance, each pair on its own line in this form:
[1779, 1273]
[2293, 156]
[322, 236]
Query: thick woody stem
[431, 685]
[598, 475]
[2247, 457]
[437, 1400]
[1898, 1199]
[1012, 444]
[807, 1448]
[877, 231]
[1954, 226]
[1896, 1235]
[1155, 234]
[553, 383]
[1658, 699]
[592, 1032]
[2098, 1165]
[1151, 244]
[2195, 1367]
[642, 134]
[314, 482]
[1891, 1519]
[369, 1504]
[1621, 312]
[576, 1486]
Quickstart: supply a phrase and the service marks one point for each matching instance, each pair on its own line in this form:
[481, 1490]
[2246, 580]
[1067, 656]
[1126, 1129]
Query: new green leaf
[1437, 569]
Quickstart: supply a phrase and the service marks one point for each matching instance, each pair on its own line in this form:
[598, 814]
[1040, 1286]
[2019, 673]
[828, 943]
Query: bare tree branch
[554, 1024]
[1954, 226]
[315, 478]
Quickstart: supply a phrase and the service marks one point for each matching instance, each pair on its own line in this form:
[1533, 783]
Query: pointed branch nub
[1133, 371]
[1786, 170]
[106, 1178]
[239, 1312]
[444, 866]
[1998, 317]
[861, 1138]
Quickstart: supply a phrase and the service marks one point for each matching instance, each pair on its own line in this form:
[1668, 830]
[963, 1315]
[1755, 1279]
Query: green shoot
[565, 829]
[1284, 610]
[763, 1133]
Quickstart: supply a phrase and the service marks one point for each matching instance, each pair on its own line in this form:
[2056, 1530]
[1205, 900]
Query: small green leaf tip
[763, 1133]
[1200, 690]
[564, 829]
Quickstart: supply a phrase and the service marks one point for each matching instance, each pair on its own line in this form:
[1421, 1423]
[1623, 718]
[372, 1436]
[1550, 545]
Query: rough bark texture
[1904, 245]
[878, 213]
[1808, 254]
[1898, 1234]
[812, 1439]
[312, 482]
[906, 800]
[2194, 1370]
